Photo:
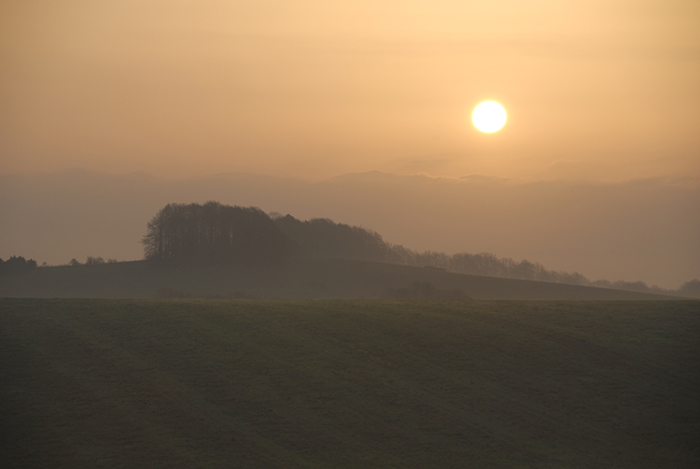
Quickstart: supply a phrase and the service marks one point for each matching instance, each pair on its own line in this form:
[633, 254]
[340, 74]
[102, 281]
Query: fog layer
[639, 230]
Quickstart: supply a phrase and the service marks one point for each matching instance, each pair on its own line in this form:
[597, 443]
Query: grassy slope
[318, 384]
[299, 278]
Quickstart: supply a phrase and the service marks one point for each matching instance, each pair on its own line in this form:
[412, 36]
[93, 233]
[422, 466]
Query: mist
[637, 230]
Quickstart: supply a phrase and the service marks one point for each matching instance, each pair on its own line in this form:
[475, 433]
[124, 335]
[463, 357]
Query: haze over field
[642, 230]
[359, 112]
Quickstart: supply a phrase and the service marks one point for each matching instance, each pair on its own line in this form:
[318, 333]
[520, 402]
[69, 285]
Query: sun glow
[489, 116]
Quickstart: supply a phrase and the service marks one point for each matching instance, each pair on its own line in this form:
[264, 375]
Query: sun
[489, 116]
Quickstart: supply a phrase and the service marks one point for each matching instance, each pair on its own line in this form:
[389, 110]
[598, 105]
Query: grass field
[349, 384]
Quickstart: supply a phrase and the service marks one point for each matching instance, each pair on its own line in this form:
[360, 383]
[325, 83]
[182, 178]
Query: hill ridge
[295, 278]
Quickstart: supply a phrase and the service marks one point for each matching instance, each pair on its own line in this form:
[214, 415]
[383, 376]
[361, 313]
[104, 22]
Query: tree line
[214, 233]
[17, 265]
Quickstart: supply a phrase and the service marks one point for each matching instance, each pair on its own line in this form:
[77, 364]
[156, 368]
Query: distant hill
[634, 230]
[295, 278]
[240, 251]
[213, 233]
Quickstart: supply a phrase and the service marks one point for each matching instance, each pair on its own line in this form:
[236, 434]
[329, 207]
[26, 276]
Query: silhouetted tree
[212, 234]
[16, 265]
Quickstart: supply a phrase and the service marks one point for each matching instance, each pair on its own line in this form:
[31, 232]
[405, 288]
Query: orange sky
[596, 89]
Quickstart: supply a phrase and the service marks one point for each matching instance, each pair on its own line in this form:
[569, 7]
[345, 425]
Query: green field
[349, 384]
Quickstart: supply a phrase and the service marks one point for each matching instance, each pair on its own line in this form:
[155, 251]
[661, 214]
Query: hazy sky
[603, 102]
[595, 89]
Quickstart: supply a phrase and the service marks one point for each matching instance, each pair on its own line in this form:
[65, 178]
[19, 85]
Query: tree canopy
[16, 265]
[321, 237]
[213, 234]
